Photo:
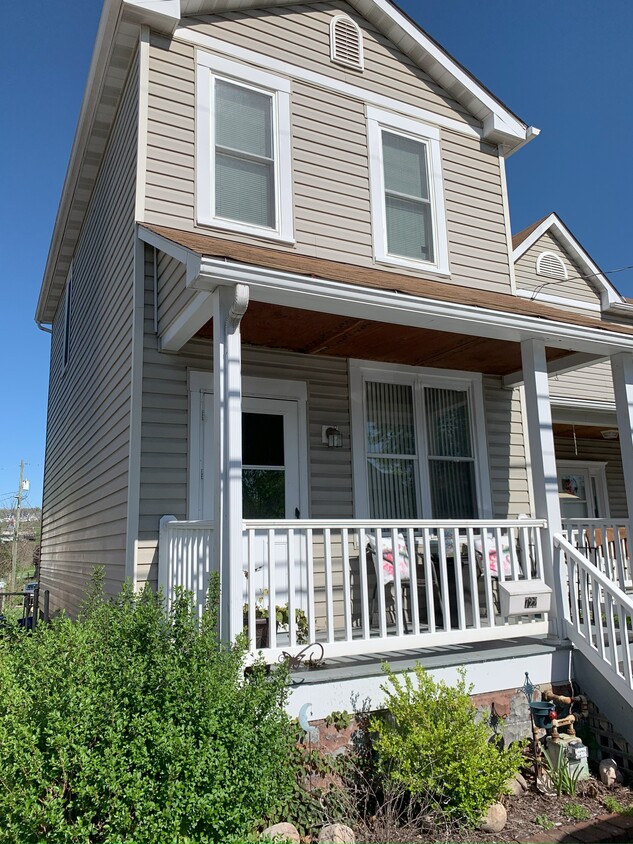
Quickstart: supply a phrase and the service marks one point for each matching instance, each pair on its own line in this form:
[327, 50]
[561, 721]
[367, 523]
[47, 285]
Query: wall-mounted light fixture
[331, 436]
[610, 434]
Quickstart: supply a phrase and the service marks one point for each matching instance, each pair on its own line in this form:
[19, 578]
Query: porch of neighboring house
[432, 557]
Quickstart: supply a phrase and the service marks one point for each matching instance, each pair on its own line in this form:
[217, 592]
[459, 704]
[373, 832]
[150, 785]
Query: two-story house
[291, 341]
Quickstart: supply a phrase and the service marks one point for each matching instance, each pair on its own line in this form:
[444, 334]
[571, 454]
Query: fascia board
[100, 58]
[162, 15]
[609, 296]
[290, 290]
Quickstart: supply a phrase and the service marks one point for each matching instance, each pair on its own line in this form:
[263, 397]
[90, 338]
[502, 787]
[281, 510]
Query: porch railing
[599, 616]
[367, 586]
[605, 542]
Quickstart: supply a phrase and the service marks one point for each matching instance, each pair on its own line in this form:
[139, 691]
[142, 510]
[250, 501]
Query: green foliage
[131, 726]
[282, 616]
[576, 812]
[613, 805]
[340, 720]
[544, 822]
[433, 743]
[317, 796]
[564, 780]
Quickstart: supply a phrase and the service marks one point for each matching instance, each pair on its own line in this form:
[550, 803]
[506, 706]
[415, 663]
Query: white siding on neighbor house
[605, 451]
[87, 438]
[329, 140]
[580, 291]
[593, 383]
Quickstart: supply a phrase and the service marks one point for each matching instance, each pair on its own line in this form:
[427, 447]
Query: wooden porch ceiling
[582, 432]
[314, 333]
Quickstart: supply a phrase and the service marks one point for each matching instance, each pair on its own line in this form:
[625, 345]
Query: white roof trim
[609, 296]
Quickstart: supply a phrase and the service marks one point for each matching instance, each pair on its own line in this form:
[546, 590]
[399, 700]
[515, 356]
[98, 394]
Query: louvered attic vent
[551, 265]
[346, 42]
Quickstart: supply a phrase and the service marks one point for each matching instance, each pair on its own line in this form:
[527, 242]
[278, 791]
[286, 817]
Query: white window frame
[418, 378]
[377, 121]
[209, 68]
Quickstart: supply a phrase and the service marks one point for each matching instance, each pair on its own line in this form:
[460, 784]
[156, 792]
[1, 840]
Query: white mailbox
[524, 597]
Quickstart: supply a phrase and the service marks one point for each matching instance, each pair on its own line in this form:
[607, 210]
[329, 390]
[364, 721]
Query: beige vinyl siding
[87, 439]
[304, 32]
[332, 213]
[577, 290]
[593, 383]
[506, 451]
[605, 451]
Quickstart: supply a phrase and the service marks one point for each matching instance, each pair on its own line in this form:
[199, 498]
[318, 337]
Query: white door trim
[201, 382]
[595, 469]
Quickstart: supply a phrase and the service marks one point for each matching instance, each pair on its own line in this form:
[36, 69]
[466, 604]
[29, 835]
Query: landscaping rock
[609, 773]
[495, 820]
[514, 787]
[337, 833]
[522, 781]
[281, 832]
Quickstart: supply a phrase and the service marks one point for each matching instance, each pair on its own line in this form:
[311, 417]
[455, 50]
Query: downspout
[43, 327]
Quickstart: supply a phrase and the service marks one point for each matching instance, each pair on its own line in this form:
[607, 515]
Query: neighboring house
[289, 333]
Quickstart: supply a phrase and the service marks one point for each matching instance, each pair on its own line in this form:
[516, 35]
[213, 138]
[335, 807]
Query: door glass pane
[573, 495]
[391, 489]
[263, 493]
[453, 489]
[262, 439]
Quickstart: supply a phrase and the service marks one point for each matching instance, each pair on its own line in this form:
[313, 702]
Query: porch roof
[340, 334]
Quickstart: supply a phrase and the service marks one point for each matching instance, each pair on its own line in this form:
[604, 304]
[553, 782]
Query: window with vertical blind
[409, 224]
[418, 454]
[243, 161]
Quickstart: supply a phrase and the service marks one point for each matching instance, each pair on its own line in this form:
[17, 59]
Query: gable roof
[525, 239]
[116, 43]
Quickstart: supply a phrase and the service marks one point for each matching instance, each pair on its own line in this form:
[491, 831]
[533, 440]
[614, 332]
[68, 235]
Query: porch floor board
[369, 665]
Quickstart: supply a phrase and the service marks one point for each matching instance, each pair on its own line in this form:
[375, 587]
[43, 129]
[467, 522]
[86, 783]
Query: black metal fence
[27, 608]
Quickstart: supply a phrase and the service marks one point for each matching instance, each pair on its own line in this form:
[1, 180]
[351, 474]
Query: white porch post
[543, 458]
[229, 305]
[622, 374]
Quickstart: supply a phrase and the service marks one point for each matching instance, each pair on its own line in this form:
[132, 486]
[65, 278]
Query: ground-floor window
[417, 448]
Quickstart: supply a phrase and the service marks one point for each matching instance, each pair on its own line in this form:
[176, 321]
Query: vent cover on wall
[346, 42]
[551, 265]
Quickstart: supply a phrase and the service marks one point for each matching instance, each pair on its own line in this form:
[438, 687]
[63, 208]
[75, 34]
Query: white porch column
[543, 458]
[622, 374]
[229, 306]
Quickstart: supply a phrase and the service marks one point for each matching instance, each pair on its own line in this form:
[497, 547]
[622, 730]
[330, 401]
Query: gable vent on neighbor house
[551, 265]
[346, 42]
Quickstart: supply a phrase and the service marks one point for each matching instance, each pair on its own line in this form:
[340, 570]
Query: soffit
[307, 332]
[580, 432]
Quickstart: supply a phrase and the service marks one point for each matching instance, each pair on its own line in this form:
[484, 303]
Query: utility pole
[16, 535]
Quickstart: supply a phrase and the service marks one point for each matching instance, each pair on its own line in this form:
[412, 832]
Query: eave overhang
[116, 42]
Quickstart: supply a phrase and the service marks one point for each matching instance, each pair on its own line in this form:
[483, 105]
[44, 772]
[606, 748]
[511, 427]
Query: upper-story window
[407, 194]
[244, 180]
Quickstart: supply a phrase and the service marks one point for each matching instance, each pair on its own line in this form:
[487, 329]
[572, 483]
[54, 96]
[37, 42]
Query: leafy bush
[433, 743]
[129, 725]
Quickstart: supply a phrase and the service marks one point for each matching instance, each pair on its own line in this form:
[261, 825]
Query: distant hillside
[29, 523]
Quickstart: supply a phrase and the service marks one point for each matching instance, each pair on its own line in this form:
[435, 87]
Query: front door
[582, 490]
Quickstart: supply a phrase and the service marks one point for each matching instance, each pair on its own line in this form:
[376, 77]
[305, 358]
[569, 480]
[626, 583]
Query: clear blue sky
[565, 66]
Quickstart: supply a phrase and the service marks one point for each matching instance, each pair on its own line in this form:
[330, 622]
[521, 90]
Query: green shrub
[130, 726]
[433, 743]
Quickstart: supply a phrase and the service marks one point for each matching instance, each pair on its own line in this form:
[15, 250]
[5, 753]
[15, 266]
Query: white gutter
[298, 291]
